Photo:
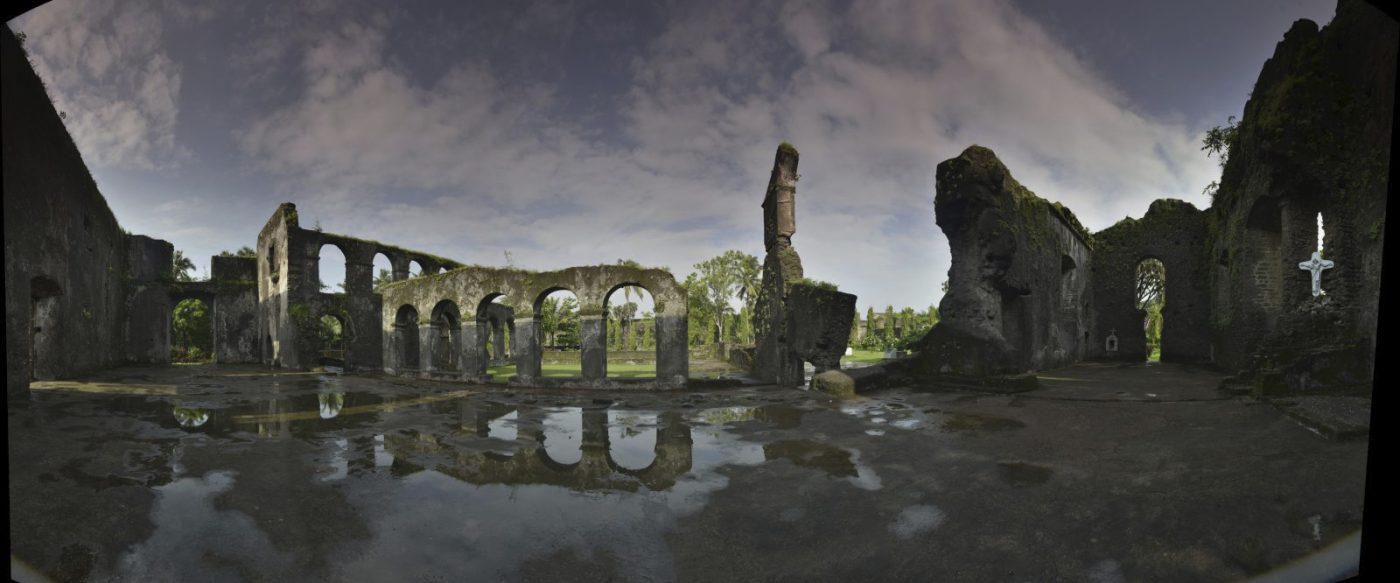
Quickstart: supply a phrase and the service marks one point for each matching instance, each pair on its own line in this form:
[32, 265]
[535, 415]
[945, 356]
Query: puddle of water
[916, 520]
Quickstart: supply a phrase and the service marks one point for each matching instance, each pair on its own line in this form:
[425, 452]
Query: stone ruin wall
[1315, 138]
[1019, 296]
[1173, 232]
[70, 269]
[457, 302]
[291, 302]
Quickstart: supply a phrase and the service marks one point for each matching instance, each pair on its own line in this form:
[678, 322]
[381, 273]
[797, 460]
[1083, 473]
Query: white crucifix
[1316, 265]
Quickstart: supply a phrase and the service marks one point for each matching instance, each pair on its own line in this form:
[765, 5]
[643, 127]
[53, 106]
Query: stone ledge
[1335, 417]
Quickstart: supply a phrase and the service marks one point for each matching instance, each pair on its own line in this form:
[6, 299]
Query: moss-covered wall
[1315, 138]
[73, 278]
[1173, 232]
[1019, 294]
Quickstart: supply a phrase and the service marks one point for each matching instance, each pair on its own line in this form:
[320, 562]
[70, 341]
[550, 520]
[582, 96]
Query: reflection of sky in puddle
[632, 438]
[504, 427]
[562, 427]
[428, 524]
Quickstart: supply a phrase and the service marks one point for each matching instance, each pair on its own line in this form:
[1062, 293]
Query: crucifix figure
[1316, 265]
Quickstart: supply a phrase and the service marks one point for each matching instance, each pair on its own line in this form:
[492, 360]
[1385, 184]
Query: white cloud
[105, 68]
[874, 96]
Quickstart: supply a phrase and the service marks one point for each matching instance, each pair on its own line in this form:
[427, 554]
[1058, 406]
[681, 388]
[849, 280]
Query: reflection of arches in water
[331, 404]
[504, 427]
[561, 444]
[191, 417]
[631, 439]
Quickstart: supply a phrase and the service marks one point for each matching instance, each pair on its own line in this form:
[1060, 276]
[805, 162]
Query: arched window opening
[1321, 234]
[560, 344]
[415, 268]
[44, 350]
[495, 325]
[191, 332]
[1151, 298]
[331, 269]
[331, 334]
[630, 326]
[383, 270]
[405, 339]
[447, 336]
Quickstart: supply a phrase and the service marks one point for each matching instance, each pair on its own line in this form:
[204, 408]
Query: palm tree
[182, 267]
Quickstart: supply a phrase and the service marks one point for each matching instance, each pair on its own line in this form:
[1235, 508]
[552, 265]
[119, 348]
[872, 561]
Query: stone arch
[380, 262]
[403, 340]
[1147, 268]
[45, 317]
[331, 270]
[333, 341]
[446, 338]
[627, 331]
[553, 326]
[484, 337]
[417, 268]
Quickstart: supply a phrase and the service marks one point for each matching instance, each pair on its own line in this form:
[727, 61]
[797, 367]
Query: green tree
[888, 330]
[384, 277]
[556, 316]
[191, 337]
[699, 313]
[623, 315]
[932, 315]
[244, 251]
[724, 277]
[182, 266]
[870, 337]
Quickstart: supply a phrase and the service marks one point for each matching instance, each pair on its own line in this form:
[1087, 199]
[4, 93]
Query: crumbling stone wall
[291, 301]
[1173, 232]
[1018, 296]
[795, 320]
[468, 292]
[1315, 138]
[73, 278]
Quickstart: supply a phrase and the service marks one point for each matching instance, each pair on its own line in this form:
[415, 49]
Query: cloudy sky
[571, 133]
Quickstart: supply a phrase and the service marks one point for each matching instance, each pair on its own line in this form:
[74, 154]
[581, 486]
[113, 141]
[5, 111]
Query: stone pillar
[359, 278]
[672, 352]
[526, 345]
[472, 357]
[399, 266]
[498, 341]
[427, 347]
[592, 335]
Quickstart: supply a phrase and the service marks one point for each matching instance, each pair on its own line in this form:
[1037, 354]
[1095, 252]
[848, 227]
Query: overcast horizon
[579, 133]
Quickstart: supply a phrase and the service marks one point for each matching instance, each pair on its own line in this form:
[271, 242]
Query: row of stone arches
[440, 347]
[444, 327]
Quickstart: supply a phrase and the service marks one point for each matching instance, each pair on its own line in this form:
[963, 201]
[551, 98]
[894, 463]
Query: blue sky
[572, 133]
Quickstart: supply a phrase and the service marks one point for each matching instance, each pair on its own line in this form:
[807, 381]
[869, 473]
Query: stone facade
[1173, 232]
[1314, 140]
[420, 315]
[80, 293]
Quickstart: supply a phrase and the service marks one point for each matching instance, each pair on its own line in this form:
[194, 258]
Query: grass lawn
[865, 356]
[501, 374]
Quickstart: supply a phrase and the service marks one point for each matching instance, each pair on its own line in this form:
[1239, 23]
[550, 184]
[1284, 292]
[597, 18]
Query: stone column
[592, 335]
[471, 357]
[359, 278]
[399, 265]
[498, 341]
[672, 353]
[526, 345]
[427, 347]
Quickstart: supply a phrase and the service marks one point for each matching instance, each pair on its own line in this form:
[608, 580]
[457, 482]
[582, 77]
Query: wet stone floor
[1105, 473]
